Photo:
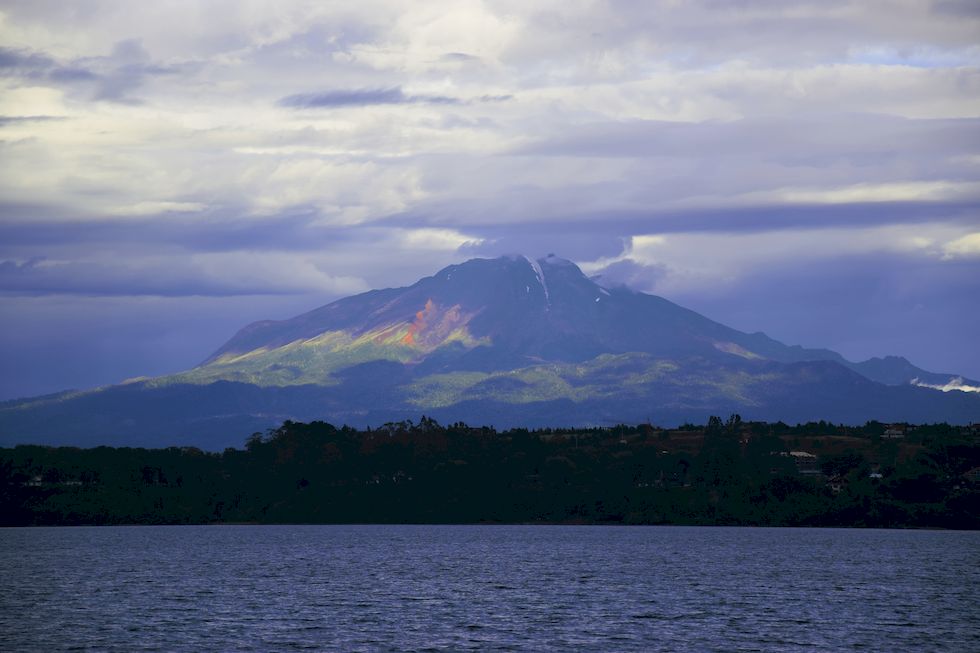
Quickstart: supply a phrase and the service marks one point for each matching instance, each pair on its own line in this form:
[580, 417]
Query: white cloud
[703, 260]
[436, 239]
[196, 136]
[910, 191]
[433, 35]
[968, 245]
[953, 384]
[345, 192]
[157, 208]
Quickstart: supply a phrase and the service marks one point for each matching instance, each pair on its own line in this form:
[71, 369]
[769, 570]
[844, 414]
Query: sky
[172, 171]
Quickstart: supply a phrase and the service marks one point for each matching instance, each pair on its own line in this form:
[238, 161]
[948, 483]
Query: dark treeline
[725, 472]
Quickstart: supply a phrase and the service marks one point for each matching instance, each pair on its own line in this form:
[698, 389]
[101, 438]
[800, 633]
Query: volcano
[511, 341]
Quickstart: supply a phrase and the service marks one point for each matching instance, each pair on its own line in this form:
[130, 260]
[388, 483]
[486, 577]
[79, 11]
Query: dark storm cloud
[360, 98]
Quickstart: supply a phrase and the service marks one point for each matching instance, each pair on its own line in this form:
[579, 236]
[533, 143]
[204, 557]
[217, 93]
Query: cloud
[437, 239]
[188, 257]
[808, 140]
[629, 273]
[68, 75]
[373, 97]
[957, 8]
[913, 191]
[158, 208]
[15, 61]
[968, 245]
[106, 78]
[13, 120]
[459, 56]
[686, 262]
[953, 384]
[360, 98]
[125, 70]
[302, 149]
[214, 274]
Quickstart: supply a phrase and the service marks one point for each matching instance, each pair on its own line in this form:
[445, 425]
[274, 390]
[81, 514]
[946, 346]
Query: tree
[714, 425]
[734, 423]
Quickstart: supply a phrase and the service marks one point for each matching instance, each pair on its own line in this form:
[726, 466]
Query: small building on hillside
[806, 462]
[894, 432]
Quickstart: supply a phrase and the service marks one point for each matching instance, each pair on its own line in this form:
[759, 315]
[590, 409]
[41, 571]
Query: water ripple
[499, 588]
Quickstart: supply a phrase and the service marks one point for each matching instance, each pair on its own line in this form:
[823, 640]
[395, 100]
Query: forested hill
[722, 473]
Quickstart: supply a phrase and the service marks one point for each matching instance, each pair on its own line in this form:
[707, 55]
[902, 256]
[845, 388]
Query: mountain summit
[495, 314]
[510, 341]
[486, 314]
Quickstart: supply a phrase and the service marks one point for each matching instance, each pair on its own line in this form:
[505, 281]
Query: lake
[428, 588]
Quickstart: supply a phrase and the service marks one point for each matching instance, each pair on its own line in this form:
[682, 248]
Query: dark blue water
[350, 588]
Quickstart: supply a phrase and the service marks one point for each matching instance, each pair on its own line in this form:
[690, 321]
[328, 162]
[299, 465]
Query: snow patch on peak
[540, 275]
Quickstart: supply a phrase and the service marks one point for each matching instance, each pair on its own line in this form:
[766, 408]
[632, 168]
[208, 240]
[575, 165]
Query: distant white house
[804, 456]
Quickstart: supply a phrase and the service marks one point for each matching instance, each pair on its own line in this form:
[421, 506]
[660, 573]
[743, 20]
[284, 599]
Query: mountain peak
[515, 340]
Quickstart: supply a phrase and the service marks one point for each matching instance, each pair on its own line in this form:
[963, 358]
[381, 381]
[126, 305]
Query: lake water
[427, 588]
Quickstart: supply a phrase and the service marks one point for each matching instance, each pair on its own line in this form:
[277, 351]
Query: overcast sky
[170, 171]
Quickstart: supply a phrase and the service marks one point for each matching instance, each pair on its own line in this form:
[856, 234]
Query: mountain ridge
[510, 340]
[891, 370]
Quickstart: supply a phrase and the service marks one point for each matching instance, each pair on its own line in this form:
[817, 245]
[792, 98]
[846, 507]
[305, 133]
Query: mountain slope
[508, 341]
[500, 313]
